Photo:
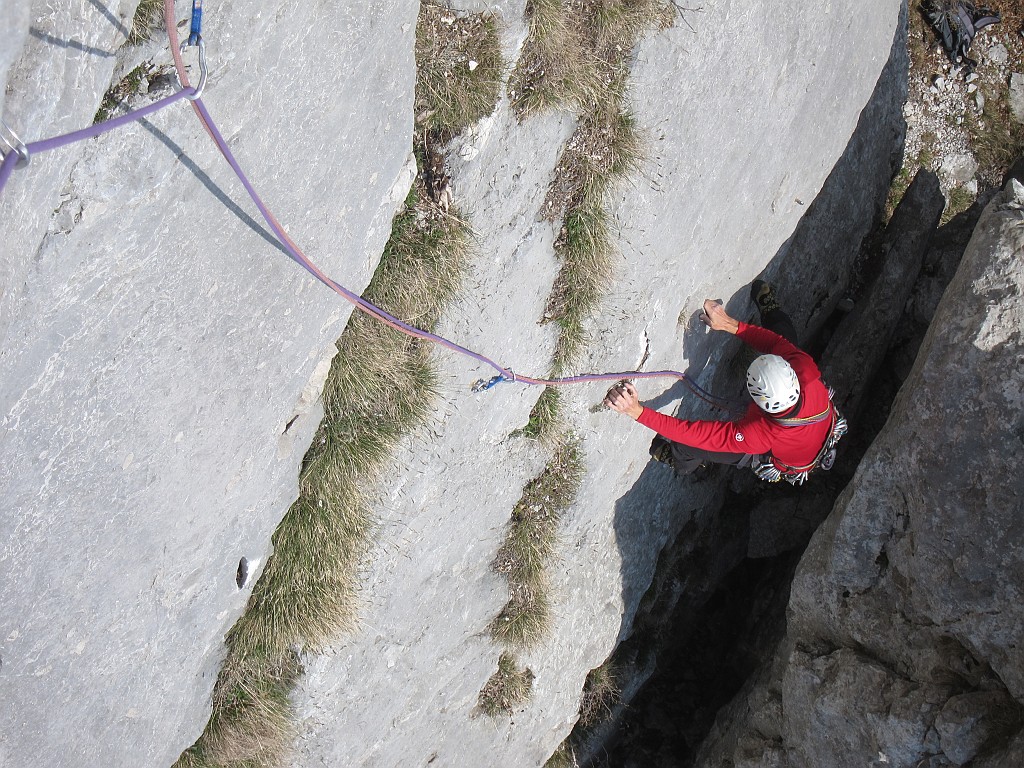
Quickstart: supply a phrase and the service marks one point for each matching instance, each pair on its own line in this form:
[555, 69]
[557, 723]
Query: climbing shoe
[763, 296]
[661, 451]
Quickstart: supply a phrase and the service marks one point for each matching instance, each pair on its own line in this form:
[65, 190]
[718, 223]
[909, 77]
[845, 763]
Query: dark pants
[685, 458]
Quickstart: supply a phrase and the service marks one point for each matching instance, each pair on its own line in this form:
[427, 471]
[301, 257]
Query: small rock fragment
[1016, 96]
[997, 54]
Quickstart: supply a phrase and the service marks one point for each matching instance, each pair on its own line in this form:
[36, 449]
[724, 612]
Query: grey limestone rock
[997, 54]
[1016, 96]
[859, 343]
[904, 621]
[970, 722]
[156, 347]
[702, 217]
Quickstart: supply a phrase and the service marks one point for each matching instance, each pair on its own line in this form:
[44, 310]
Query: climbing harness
[805, 420]
[772, 470]
[20, 153]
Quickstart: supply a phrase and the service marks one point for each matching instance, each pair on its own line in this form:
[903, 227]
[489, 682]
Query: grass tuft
[526, 617]
[577, 51]
[901, 182]
[600, 693]
[562, 757]
[506, 689]
[529, 546]
[546, 421]
[252, 722]
[557, 67]
[381, 385]
[958, 201]
[116, 96]
[996, 136]
[459, 69]
[148, 18]
[585, 247]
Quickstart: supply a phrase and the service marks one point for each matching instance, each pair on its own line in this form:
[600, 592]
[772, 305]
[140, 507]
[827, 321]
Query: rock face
[707, 211]
[157, 349]
[856, 349]
[904, 619]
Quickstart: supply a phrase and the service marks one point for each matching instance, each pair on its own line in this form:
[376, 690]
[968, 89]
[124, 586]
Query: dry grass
[546, 421]
[901, 182]
[147, 19]
[997, 138]
[116, 97]
[958, 201]
[529, 546]
[381, 386]
[587, 253]
[577, 50]
[600, 693]
[459, 69]
[555, 68]
[507, 688]
[596, 37]
[562, 757]
[252, 723]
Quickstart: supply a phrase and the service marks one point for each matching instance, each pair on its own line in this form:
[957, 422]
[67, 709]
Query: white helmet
[773, 384]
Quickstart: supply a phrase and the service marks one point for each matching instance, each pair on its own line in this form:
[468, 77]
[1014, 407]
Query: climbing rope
[20, 154]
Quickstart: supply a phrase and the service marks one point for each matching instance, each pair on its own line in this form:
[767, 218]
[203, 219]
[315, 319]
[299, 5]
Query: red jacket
[756, 432]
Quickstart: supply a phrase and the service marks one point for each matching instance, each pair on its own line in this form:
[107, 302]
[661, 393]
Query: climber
[789, 429]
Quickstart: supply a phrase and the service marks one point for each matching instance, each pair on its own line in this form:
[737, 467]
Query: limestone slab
[156, 346]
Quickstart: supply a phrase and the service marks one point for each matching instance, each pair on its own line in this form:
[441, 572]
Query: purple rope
[45, 145]
[390, 319]
[11, 159]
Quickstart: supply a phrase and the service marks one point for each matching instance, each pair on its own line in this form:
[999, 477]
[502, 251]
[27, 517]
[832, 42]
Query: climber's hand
[715, 316]
[624, 399]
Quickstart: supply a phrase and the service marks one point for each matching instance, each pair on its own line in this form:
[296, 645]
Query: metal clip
[482, 385]
[14, 144]
[202, 69]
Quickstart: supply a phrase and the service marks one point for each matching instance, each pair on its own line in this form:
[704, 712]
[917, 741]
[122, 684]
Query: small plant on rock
[529, 545]
[508, 688]
[459, 65]
[147, 19]
[600, 694]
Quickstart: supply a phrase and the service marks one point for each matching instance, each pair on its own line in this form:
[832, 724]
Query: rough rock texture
[862, 338]
[699, 220]
[154, 346]
[904, 618]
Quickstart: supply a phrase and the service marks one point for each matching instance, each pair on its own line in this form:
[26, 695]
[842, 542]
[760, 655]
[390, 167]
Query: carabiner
[14, 143]
[198, 90]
